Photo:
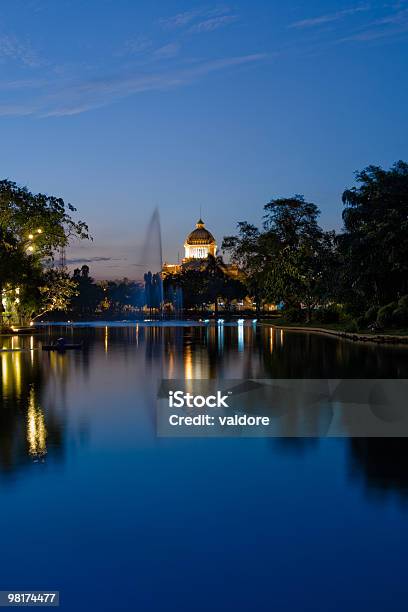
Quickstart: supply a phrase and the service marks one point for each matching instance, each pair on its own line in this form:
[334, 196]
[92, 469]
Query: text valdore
[205, 420]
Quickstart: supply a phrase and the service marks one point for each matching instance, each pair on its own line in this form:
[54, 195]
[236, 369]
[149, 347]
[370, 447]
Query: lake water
[94, 505]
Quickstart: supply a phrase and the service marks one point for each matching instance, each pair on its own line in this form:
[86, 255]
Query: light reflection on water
[36, 430]
[39, 384]
[83, 424]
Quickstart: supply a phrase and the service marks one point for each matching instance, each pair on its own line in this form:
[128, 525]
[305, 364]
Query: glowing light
[36, 430]
[30, 248]
[188, 362]
[220, 321]
[221, 338]
[39, 231]
[32, 349]
[4, 372]
[16, 365]
[31, 323]
[240, 321]
[30, 236]
[240, 338]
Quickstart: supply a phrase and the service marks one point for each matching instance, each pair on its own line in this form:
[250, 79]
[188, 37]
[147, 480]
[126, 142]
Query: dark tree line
[361, 271]
[111, 297]
[203, 285]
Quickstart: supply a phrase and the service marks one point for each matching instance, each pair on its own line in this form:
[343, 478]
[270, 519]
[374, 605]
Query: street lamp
[31, 236]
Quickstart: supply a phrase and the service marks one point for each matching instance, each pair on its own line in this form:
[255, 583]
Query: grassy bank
[342, 329]
[342, 326]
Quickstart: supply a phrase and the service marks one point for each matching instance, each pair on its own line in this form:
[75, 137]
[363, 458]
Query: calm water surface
[94, 505]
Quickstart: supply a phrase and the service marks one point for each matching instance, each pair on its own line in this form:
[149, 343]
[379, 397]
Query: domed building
[199, 243]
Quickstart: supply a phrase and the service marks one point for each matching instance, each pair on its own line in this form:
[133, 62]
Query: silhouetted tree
[89, 294]
[374, 244]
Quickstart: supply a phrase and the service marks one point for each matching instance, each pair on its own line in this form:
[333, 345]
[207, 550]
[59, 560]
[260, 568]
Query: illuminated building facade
[199, 243]
[198, 246]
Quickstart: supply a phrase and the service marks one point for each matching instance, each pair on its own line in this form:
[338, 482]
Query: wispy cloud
[181, 19]
[328, 17]
[201, 19]
[86, 260]
[11, 48]
[135, 46]
[208, 25]
[70, 98]
[17, 84]
[167, 51]
[392, 25]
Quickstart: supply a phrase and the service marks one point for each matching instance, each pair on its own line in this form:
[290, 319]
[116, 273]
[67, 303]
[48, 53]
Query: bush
[295, 315]
[351, 327]
[329, 314]
[403, 302]
[400, 316]
[361, 322]
[384, 315]
[371, 315]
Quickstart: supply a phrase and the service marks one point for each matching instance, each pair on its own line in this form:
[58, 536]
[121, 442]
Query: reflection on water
[25, 426]
[380, 464]
[90, 496]
[42, 400]
[36, 431]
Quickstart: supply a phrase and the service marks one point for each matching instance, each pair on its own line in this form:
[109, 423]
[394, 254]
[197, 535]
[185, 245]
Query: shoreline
[353, 336]
[374, 338]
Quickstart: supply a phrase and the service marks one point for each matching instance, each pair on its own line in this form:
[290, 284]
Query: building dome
[200, 242]
[200, 235]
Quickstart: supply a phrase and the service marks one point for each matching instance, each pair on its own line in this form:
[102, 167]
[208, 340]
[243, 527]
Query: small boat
[61, 348]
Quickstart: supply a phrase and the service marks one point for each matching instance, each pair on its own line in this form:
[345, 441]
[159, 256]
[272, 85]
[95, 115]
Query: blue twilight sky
[119, 106]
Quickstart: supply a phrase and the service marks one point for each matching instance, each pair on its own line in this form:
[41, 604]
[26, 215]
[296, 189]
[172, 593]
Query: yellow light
[17, 290]
[4, 372]
[36, 430]
[31, 323]
[39, 231]
[32, 349]
[271, 339]
[31, 248]
[16, 365]
[188, 362]
[30, 236]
